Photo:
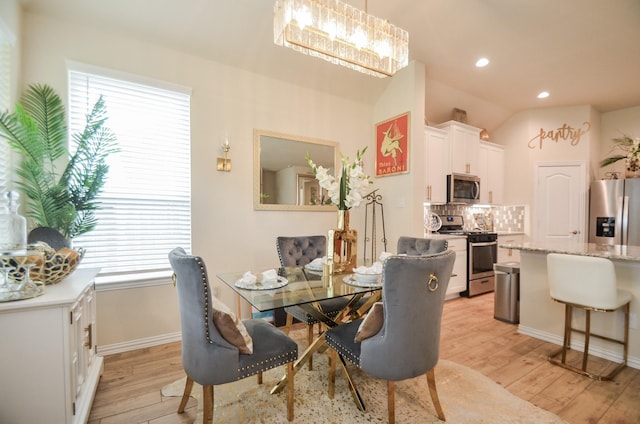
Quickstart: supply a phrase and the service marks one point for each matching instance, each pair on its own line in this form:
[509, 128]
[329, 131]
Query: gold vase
[343, 241]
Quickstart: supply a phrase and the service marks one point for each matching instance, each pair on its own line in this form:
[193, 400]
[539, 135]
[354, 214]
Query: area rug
[465, 395]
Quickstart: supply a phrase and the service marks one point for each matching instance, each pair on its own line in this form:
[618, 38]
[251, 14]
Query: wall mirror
[282, 180]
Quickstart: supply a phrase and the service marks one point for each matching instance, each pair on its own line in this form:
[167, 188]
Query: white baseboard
[608, 354]
[138, 344]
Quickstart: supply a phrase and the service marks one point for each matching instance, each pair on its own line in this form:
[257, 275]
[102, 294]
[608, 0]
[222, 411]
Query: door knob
[574, 232]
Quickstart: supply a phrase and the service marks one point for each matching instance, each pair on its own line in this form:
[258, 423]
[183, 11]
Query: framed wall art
[392, 146]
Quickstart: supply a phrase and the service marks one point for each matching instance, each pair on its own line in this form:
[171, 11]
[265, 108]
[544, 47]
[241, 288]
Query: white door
[560, 202]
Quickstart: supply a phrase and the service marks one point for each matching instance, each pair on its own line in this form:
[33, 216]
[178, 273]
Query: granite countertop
[437, 236]
[616, 252]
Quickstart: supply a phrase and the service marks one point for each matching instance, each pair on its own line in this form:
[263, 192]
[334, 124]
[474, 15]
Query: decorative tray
[262, 285]
[26, 291]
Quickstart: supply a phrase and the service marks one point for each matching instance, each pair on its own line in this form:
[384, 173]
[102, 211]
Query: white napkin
[317, 262]
[384, 255]
[376, 268]
[269, 275]
[249, 278]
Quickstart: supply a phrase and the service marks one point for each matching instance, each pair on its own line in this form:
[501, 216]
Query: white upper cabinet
[491, 172]
[437, 161]
[465, 142]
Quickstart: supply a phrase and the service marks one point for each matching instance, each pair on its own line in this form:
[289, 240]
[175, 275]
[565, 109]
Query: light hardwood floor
[129, 390]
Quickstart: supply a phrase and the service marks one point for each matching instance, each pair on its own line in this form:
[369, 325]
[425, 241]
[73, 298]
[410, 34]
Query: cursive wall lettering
[564, 133]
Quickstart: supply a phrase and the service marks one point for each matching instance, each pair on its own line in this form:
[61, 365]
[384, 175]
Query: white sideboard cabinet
[48, 366]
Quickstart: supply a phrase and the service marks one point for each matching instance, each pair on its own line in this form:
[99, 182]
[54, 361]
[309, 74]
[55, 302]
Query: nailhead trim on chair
[344, 352]
[205, 286]
[253, 368]
[267, 364]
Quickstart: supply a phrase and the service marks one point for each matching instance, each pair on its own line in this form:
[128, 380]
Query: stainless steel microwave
[463, 189]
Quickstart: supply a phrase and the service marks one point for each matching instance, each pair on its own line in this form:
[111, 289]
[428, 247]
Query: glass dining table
[305, 288]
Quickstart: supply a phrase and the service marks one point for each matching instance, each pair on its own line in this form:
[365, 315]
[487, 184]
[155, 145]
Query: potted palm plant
[64, 201]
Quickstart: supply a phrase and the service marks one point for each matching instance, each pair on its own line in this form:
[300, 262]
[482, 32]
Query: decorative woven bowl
[44, 263]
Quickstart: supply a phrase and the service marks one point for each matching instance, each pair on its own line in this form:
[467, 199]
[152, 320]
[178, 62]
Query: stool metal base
[566, 345]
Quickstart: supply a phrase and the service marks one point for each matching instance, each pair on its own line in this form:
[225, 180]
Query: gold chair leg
[431, 382]
[290, 391]
[309, 341]
[332, 372]
[288, 324]
[207, 394]
[188, 385]
[391, 401]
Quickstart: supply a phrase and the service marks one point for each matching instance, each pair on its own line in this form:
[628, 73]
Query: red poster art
[392, 146]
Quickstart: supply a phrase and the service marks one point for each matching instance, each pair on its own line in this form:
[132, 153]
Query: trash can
[507, 292]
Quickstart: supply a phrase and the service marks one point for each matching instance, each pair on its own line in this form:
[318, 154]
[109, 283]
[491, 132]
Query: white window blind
[146, 201]
[6, 42]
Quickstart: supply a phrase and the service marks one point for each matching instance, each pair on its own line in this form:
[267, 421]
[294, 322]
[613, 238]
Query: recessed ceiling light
[482, 62]
[543, 95]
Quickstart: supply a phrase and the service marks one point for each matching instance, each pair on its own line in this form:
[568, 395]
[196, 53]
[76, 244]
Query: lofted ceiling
[581, 51]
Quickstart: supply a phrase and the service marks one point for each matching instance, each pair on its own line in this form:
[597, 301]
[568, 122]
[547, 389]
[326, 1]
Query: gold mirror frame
[276, 151]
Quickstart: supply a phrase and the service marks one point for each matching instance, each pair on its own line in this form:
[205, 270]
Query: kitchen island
[542, 318]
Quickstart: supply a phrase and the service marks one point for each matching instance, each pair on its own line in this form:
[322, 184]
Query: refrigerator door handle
[625, 220]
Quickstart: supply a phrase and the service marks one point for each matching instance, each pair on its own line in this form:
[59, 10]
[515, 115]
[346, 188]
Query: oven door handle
[489, 243]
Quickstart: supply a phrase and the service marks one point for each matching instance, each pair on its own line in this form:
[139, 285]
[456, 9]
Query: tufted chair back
[408, 344]
[299, 251]
[414, 246]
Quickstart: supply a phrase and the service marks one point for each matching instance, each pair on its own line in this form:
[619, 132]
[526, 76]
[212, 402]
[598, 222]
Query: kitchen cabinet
[436, 164]
[464, 141]
[509, 255]
[458, 280]
[491, 172]
[48, 360]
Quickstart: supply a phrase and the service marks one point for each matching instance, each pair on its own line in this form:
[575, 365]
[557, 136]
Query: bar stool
[588, 283]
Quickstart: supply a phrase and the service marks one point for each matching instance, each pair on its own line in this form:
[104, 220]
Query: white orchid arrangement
[631, 148]
[350, 189]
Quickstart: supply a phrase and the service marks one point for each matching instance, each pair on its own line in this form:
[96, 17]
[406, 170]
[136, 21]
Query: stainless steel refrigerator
[614, 212]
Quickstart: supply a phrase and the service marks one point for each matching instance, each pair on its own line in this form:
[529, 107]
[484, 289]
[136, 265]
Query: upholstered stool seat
[587, 283]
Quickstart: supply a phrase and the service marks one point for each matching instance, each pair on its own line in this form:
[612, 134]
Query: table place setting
[316, 265]
[364, 276]
[268, 280]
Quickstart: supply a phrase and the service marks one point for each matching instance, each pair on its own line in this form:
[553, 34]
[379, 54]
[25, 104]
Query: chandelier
[341, 34]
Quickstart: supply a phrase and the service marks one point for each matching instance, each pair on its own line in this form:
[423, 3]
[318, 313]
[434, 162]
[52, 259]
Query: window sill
[132, 281]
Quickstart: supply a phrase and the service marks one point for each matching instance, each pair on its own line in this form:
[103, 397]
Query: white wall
[227, 232]
[524, 150]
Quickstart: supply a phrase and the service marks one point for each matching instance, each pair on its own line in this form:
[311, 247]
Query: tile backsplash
[495, 218]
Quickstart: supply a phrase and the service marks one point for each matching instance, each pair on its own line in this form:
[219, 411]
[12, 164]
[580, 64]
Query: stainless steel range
[482, 253]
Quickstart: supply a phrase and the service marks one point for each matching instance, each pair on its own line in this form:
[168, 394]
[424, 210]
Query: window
[146, 200]
[6, 43]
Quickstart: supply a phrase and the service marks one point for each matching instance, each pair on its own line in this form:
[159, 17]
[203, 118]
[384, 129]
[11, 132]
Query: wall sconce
[224, 164]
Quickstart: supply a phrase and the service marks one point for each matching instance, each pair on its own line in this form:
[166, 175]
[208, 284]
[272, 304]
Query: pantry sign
[565, 133]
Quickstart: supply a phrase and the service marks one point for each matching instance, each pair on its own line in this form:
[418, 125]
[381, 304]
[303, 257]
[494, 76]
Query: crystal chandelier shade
[341, 34]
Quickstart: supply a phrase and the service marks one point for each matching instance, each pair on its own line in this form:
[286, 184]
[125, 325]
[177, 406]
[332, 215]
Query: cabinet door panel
[436, 165]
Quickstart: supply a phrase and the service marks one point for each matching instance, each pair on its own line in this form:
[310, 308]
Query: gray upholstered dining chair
[299, 251]
[217, 348]
[400, 339]
[413, 246]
